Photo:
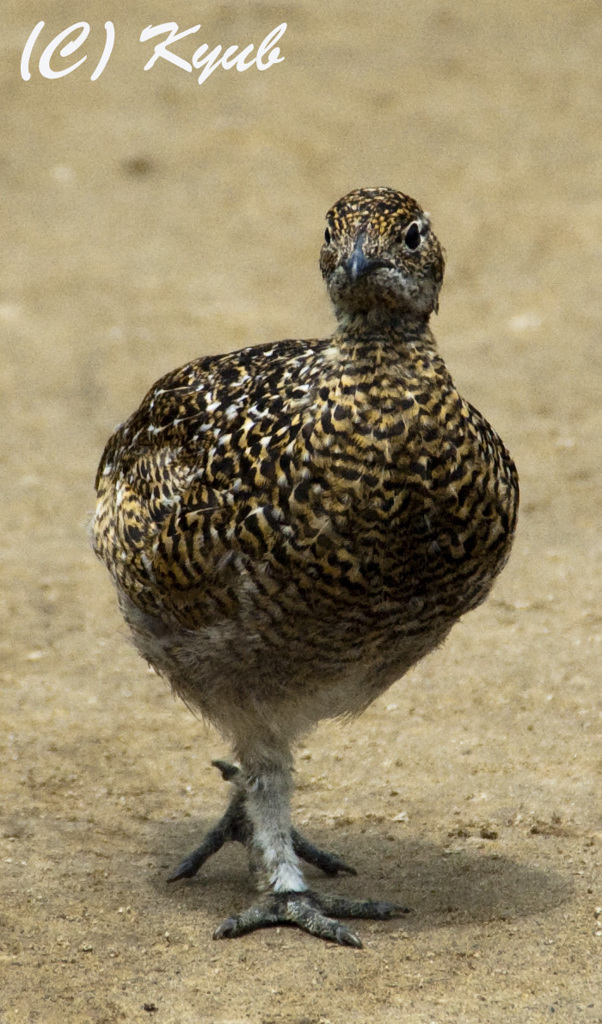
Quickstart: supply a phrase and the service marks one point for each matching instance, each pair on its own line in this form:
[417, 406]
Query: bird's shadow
[440, 886]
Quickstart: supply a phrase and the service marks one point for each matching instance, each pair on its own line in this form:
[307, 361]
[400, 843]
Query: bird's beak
[357, 264]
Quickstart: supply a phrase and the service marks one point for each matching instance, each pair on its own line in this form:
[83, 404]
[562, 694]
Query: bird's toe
[329, 863]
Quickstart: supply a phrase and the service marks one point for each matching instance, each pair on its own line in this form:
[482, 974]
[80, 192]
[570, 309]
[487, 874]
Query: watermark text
[53, 61]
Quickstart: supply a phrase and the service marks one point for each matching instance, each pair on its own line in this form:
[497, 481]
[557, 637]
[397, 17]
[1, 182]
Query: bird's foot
[235, 826]
[311, 913]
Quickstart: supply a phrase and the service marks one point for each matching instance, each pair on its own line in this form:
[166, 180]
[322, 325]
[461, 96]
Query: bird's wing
[202, 466]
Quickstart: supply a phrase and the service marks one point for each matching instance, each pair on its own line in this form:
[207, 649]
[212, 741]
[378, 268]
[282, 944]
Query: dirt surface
[146, 220]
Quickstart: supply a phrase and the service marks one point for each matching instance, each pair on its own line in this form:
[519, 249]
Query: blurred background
[146, 220]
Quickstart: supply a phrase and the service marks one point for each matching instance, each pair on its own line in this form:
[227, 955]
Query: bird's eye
[412, 237]
[327, 236]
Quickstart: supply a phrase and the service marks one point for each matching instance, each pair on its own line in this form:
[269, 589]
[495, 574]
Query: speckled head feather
[380, 255]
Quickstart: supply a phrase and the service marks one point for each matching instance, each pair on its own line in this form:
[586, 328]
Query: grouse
[292, 526]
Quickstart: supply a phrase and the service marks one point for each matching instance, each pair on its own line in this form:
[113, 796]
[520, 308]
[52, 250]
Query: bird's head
[380, 256]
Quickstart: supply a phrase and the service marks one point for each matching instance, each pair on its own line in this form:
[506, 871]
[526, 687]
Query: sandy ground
[147, 219]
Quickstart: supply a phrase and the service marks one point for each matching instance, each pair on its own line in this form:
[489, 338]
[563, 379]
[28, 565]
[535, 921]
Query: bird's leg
[329, 863]
[273, 860]
[235, 826]
[278, 873]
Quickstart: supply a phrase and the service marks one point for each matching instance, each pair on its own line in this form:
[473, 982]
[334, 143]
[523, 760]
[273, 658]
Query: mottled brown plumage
[290, 527]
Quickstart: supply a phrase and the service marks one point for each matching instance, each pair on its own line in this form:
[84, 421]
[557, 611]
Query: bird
[291, 526]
